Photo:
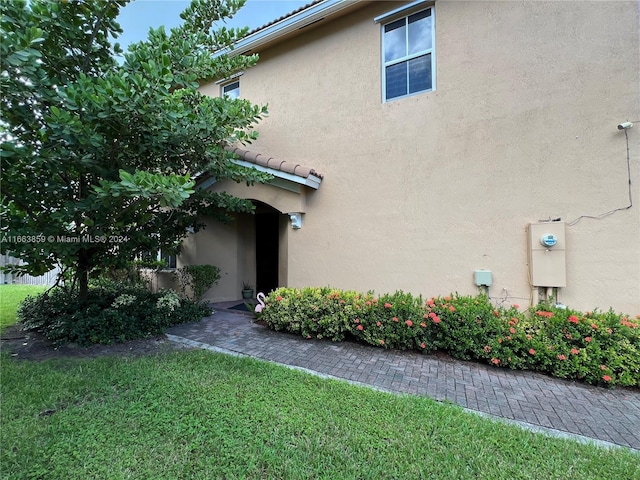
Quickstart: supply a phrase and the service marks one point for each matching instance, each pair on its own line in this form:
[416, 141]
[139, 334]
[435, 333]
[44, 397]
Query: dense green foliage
[10, 298]
[111, 313]
[200, 415]
[596, 347]
[195, 280]
[99, 155]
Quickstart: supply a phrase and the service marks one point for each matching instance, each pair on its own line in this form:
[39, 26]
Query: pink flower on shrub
[447, 298]
[561, 357]
[496, 361]
[609, 331]
[387, 305]
[542, 313]
[431, 303]
[487, 348]
[516, 306]
[381, 342]
[423, 325]
[409, 323]
[422, 345]
[357, 320]
[360, 327]
[378, 324]
[432, 315]
[569, 336]
[528, 337]
[452, 308]
[368, 303]
[395, 319]
[587, 339]
[606, 378]
[499, 340]
[603, 367]
[496, 313]
[573, 319]
[575, 351]
[532, 351]
[594, 326]
[436, 319]
[508, 337]
[512, 330]
[278, 298]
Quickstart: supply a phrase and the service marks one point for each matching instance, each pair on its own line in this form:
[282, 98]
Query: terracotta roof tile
[270, 162]
[272, 22]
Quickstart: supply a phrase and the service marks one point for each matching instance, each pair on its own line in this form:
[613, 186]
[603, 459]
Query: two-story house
[437, 147]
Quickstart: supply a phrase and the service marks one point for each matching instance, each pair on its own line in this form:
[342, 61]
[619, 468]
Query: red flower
[452, 308]
[603, 367]
[409, 323]
[423, 325]
[381, 342]
[512, 330]
[432, 315]
[573, 319]
[516, 306]
[357, 320]
[508, 337]
[278, 298]
[495, 361]
[395, 319]
[387, 305]
[447, 298]
[606, 378]
[360, 327]
[561, 357]
[575, 351]
[528, 337]
[609, 331]
[487, 348]
[532, 351]
[594, 326]
[431, 303]
[587, 339]
[378, 324]
[496, 313]
[436, 319]
[499, 340]
[422, 345]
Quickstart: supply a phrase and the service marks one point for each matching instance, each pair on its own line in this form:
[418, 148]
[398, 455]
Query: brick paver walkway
[607, 415]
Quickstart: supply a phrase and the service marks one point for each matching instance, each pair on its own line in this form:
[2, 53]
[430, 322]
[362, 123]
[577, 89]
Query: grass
[10, 297]
[201, 415]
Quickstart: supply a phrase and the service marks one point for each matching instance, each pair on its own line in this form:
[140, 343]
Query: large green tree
[100, 147]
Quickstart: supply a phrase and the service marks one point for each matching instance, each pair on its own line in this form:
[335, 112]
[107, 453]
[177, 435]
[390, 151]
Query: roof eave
[287, 25]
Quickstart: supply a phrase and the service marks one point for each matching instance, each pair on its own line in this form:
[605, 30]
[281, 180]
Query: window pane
[420, 27]
[395, 40]
[396, 78]
[232, 90]
[420, 74]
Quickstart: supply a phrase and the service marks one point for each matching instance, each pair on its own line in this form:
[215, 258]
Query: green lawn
[10, 297]
[200, 415]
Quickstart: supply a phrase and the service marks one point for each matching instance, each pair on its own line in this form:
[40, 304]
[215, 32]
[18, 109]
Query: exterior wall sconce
[296, 220]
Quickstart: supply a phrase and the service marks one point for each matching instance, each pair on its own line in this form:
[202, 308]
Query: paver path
[607, 415]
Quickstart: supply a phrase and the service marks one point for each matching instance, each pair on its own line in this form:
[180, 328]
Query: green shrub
[111, 314]
[197, 279]
[597, 348]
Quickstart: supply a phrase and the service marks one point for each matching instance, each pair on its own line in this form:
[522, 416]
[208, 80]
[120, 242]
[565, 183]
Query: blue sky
[137, 17]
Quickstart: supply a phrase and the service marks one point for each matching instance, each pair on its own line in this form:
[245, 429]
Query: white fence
[48, 278]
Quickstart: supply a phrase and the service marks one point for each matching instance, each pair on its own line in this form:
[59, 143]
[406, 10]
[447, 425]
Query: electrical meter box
[547, 254]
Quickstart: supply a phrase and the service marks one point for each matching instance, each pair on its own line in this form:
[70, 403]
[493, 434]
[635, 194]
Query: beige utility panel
[547, 254]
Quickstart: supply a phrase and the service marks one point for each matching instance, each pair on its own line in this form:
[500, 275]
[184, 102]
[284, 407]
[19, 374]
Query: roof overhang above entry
[289, 176]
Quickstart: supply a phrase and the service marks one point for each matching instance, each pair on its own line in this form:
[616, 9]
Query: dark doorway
[267, 247]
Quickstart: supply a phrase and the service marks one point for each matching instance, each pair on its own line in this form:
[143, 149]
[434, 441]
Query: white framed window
[231, 90]
[408, 55]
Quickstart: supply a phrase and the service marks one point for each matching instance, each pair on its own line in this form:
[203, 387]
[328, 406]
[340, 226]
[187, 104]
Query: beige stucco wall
[420, 192]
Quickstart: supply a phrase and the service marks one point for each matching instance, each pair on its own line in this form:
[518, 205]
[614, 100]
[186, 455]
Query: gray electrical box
[482, 278]
[547, 254]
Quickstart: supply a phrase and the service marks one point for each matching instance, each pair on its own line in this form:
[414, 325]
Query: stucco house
[441, 146]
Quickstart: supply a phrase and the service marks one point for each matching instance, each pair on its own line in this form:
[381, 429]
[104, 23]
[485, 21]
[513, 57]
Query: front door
[267, 248]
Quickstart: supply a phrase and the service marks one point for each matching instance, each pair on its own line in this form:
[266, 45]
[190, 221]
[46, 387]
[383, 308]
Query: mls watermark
[64, 239]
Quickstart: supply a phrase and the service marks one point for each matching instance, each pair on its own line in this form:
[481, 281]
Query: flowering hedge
[595, 347]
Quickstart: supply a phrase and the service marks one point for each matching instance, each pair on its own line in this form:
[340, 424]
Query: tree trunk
[82, 275]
